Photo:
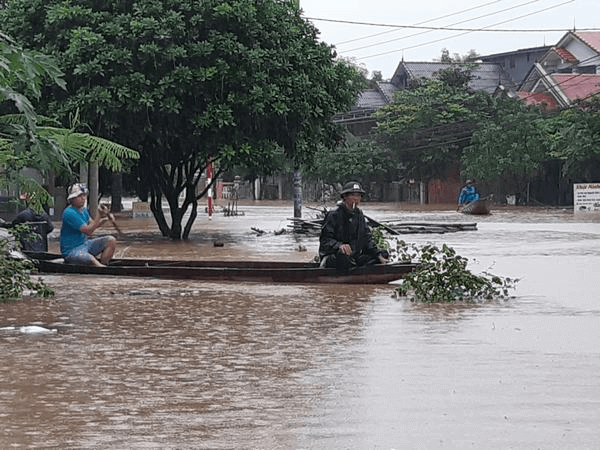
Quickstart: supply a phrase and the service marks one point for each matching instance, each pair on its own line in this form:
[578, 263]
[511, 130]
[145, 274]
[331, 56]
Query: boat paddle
[103, 209]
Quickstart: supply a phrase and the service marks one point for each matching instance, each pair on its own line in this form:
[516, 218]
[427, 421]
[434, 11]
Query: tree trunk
[159, 216]
[94, 191]
[190, 222]
[116, 201]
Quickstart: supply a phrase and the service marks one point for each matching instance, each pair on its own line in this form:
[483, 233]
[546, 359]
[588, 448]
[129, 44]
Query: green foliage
[26, 139]
[353, 159]
[379, 239]
[185, 81]
[575, 139]
[429, 123]
[510, 138]
[437, 123]
[470, 57]
[442, 277]
[15, 275]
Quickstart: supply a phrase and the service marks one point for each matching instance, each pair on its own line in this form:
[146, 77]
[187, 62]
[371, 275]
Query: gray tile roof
[486, 76]
[371, 98]
[376, 98]
[387, 89]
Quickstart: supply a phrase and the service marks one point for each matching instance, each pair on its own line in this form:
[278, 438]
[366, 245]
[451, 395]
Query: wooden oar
[379, 224]
[110, 217]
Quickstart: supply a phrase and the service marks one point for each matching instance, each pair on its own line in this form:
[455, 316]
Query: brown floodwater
[144, 363]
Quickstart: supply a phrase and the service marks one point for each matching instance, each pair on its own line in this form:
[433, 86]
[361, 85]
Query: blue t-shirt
[468, 194]
[70, 236]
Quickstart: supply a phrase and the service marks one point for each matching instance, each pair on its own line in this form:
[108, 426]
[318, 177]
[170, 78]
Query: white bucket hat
[76, 190]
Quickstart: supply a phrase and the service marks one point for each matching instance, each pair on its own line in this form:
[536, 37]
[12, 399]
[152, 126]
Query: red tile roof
[530, 98]
[577, 86]
[565, 54]
[591, 38]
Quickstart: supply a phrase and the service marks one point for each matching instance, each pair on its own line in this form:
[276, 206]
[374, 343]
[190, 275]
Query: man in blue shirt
[468, 193]
[77, 229]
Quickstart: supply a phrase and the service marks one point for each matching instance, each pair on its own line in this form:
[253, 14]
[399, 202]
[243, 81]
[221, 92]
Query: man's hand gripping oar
[105, 212]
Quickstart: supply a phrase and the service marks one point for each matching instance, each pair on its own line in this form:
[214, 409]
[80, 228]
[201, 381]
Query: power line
[486, 28]
[449, 26]
[420, 23]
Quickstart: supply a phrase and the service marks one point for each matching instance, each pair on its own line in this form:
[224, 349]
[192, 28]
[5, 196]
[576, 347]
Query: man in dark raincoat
[346, 240]
[41, 225]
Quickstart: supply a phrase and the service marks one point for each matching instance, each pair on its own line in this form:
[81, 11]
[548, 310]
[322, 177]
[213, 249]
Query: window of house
[586, 69]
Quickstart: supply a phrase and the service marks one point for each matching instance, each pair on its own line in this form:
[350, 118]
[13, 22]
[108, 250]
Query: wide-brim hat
[76, 190]
[350, 187]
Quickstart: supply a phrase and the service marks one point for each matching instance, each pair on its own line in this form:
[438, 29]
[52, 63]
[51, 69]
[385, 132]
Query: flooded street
[145, 363]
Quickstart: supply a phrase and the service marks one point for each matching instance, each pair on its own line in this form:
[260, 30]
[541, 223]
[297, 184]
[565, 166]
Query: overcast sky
[383, 47]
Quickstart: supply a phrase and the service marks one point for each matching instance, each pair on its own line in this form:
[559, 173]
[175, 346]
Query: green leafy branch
[15, 275]
[442, 277]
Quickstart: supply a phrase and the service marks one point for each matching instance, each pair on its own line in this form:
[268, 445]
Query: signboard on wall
[586, 197]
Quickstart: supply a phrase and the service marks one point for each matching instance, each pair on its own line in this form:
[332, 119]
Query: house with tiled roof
[517, 63]
[567, 73]
[484, 76]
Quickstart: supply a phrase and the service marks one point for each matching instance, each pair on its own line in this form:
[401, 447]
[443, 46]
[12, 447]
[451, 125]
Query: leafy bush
[15, 275]
[442, 276]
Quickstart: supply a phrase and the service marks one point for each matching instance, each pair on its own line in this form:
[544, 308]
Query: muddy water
[171, 364]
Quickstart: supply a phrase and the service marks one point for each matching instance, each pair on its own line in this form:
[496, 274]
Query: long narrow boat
[241, 271]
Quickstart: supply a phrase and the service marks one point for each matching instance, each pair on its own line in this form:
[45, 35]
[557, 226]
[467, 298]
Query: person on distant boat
[346, 238]
[77, 229]
[468, 193]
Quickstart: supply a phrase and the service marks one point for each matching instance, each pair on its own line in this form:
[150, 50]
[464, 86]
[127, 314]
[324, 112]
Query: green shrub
[15, 274]
[442, 276]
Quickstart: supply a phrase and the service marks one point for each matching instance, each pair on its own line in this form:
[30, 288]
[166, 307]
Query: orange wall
[444, 191]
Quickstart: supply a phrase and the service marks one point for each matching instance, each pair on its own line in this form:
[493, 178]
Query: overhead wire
[395, 28]
[430, 30]
[464, 31]
[467, 32]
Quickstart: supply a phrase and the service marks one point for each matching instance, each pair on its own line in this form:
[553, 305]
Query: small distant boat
[476, 208]
[241, 271]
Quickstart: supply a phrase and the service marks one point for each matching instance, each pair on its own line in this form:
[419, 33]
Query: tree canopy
[28, 140]
[510, 138]
[185, 81]
[429, 124]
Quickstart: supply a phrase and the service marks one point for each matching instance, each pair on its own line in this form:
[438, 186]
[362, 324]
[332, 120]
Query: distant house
[566, 73]
[367, 103]
[484, 76]
[517, 63]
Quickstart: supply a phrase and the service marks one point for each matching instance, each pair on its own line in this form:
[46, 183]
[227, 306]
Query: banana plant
[28, 140]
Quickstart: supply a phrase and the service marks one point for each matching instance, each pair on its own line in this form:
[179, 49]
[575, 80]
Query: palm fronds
[84, 147]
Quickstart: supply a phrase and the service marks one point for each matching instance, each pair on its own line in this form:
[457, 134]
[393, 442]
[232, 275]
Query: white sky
[384, 51]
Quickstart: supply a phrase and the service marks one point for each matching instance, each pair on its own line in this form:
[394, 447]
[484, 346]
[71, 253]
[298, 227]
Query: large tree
[28, 140]
[187, 81]
[511, 139]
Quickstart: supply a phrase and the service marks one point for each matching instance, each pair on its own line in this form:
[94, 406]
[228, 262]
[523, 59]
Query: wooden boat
[476, 208]
[240, 271]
